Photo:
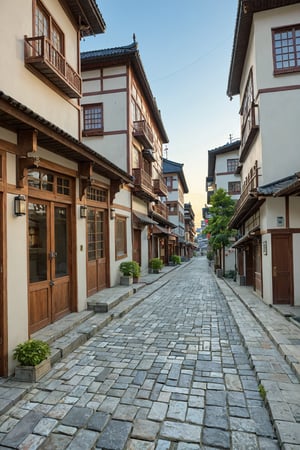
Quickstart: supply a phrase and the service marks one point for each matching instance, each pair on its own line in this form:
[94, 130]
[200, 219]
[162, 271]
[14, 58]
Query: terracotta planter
[32, 374]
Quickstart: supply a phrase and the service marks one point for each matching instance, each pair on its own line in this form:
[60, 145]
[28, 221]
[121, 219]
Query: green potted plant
[175, 259]
[156, 265]
[126, 268]
[136, 271]
[33, 358]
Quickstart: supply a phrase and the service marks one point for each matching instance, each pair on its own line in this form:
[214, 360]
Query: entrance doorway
[49, 262]
[282, 275]
[97, 272]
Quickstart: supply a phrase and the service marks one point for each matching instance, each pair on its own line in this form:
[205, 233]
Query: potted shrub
[156, 265]
[34, 362]
[176, 259]
[126, 268]
[136, 271]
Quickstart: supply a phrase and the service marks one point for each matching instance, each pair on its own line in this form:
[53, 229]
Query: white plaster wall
[17, 301]
[45, 101]
[81, 254]
[275, 207]
[267, 269]
[294, 207]
[296, 266]
[112, 148]
[122, 206]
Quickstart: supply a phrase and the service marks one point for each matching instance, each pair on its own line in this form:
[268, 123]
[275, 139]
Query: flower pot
[126, 280]
[32, 374]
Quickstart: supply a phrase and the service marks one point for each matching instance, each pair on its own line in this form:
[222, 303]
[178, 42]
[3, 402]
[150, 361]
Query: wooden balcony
[143, 133]
[161, 209]
[143, 185]
[45, 58]
[160, 188]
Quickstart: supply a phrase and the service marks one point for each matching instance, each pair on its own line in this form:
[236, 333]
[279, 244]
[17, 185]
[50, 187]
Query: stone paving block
[215, 398]
[240, 424]
[32, 442]
[145, 430]
[177, 410]
[195, 415]
[77, 417]
[186, 446]
[216, 416]
[271, 444]
[289, 433]
[114, 436]
[109, 404]
[237, 411]
[63, 429]
[98, 421]
[233, 382]
[134, 444]
[216, 438]
[22, 429]
[125, 412]
[83, 440]
[244, 441]
[45, 426]
[158, 411]
[59, 411]
[180, 431]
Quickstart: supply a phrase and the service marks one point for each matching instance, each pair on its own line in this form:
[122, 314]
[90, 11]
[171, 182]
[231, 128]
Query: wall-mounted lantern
[20, 205]
[83, 212]
[112, 214]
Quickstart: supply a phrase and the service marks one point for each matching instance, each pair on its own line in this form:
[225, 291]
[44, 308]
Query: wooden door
[137, 246]
[49, 263]
[97, 272]
[282, 275]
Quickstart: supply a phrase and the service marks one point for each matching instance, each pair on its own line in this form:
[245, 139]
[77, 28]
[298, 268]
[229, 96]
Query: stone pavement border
[266, 333]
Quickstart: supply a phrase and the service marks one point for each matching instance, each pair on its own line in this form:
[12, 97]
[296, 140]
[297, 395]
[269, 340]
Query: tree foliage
[221, 212]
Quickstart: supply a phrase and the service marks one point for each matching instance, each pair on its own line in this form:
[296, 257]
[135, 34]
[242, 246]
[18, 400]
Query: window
[120, 237]
[96, 243]
[234, 187]
[97, 194]
[47, 181]
[232, 165]
[286, 49]
[45, 26]
[172, 208]
[93, 119]
[169, 182]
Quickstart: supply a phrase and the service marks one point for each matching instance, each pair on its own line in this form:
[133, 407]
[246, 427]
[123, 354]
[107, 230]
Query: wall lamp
[112, 213]
[20, 205]
[83, 212]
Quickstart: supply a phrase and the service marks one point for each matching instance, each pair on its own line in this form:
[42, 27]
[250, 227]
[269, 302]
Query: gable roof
[285, 186]
[87, 15]
[174, 167]
[246, 9]
[212, 154]
[127, 54]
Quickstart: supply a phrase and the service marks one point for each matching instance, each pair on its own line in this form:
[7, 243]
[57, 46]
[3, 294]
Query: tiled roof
[88, 16]
[123, 55]
[174, 167]
[277, 187]
[246, 9]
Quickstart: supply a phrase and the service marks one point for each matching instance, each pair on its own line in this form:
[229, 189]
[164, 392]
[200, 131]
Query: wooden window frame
[97, 127]
[234, 191]
[293, 29]
[232, 164]
[121, 241]
[53, 27]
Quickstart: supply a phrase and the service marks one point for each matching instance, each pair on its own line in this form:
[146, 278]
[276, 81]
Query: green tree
[221, 211]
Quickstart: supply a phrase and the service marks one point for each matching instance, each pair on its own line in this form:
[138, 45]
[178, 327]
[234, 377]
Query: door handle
[51, 283]
[274, 271]
[52, 255]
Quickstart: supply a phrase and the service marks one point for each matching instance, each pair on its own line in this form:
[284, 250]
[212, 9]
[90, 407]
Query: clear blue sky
[186, 49]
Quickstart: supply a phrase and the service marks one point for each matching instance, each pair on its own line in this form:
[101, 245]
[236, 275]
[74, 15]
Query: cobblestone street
[172, 374]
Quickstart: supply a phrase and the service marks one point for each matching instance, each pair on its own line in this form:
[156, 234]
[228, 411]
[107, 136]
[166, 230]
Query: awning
[160, 230]
[143, 218]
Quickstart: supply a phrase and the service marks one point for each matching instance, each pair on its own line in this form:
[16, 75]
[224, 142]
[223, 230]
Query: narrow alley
[173, 374]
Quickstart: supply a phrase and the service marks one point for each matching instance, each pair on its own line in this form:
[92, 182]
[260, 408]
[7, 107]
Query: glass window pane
[37, 230]
[61, 242]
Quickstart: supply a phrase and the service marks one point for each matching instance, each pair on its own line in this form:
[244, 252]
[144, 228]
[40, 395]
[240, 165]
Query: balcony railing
[143, 184]
[143, 133]
[44, 57]
[249, 130]
[160, 187]
[161, 209]
[250, 184]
